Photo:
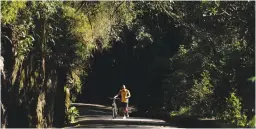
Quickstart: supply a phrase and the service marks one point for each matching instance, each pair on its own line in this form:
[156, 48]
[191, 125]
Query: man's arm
[129, 94]
[117, 94]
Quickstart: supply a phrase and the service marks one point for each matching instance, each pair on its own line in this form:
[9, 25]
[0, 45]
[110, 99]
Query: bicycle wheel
[113, 113]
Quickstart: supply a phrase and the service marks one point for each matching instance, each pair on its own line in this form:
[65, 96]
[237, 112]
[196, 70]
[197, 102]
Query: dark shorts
[124, 105]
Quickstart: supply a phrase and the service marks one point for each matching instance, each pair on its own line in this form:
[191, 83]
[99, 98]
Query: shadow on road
[193, 122]
[185, 121]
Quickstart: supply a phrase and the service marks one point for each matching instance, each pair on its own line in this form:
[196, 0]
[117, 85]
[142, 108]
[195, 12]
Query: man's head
[123, 87]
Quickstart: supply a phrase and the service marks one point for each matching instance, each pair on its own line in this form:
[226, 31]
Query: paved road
[100, 116]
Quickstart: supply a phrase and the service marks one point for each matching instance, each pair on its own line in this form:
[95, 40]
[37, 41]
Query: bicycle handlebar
[113, 98]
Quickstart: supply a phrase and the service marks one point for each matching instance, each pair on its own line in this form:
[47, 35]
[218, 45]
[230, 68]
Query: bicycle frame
[114, 108]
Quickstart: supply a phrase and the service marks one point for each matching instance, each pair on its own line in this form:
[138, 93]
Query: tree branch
[82, 4]
[116, 9]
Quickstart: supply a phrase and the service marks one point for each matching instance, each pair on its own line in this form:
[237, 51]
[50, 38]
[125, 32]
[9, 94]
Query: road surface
[100, 116]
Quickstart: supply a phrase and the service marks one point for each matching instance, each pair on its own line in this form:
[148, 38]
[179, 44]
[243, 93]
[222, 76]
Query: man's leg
[123, 108]
[127, 113]
[124, 111]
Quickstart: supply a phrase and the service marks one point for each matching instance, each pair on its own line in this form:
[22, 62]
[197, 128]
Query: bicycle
[114, 108]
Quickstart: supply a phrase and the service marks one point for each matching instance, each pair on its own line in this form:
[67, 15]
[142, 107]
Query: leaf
[252, 79]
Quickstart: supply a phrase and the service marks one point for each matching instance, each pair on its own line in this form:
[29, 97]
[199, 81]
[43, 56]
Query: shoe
[127, 115]
[124, 117]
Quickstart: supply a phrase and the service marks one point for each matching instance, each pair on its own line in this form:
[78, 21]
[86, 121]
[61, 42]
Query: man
[125, 95]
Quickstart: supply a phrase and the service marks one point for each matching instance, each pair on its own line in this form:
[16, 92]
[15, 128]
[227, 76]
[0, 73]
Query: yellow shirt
[124, 94]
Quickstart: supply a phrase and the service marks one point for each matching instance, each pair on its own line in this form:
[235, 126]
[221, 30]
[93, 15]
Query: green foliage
[210, 7]
[76, 85]
[183, 111]
[223, 57]
[252, 122]
[200, 95]
[72, 114]
[252, 79]
[102, 22]
[201, 90]
[233, 112]
[9, 10]
[46, 36]
[142, 34]
[25, 45]
[182, 51]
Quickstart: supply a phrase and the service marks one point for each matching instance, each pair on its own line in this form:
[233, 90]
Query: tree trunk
[41, 30]
[59, 108]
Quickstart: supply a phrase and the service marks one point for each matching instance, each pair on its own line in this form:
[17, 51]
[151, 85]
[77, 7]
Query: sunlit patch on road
[99, 116]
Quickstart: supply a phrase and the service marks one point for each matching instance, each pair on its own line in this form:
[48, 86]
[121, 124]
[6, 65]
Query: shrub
[72, 114]
[252, 123]
[233, 111]
[181, 111]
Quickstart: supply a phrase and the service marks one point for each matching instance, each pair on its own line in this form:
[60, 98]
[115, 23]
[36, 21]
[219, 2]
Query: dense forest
[187, 58]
